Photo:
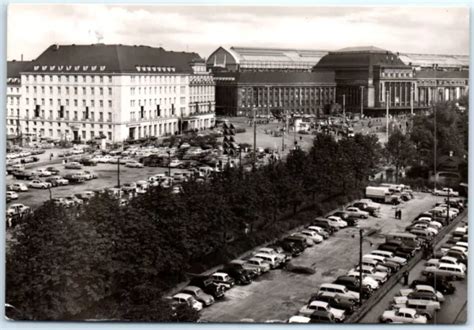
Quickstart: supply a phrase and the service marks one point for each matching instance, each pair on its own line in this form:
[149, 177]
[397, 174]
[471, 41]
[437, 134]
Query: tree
[399, 151]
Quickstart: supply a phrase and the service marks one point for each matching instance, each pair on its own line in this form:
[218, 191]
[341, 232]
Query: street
[450, 309]
[279, 294]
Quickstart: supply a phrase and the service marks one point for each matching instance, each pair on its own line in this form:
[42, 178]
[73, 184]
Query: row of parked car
[203, 290]
[425, 295]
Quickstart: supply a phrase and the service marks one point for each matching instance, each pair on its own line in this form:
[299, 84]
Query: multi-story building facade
[364, 79]
[14, 97]
[116, 92]
[270, 79]
[368, 78]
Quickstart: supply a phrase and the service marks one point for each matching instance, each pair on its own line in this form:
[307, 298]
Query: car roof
[319, 303]
[192, 287]
[407, 310]
[220, 274]
[182, 295]
[423, 286]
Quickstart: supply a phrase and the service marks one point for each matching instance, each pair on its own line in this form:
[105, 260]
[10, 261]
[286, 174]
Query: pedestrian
[400, 214]
[405, 277]
[50, 157]
[396, 213]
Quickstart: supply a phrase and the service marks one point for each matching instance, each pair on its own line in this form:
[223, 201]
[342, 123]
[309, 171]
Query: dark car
[53, 170]
[23, 175]
[30, 159]
[325, 224]
[88, 162]
[365, 207]
[232, 267]
[422, 295]
[322, 317]
[241, 276]
[352, 284]
[391, 265]
[291, 247]
[208, 286]
[401, 249]
[154, 161]
[74, 178]
[298, 241]
[443, 286]
[335, 301]
[351, 220]
[458, 255]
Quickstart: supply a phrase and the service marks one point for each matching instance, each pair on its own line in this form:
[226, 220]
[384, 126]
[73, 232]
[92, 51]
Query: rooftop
[112, 59]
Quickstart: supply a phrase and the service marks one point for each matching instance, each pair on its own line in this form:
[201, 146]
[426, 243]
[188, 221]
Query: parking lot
[451, 308]
[279, 294]
[107, 177]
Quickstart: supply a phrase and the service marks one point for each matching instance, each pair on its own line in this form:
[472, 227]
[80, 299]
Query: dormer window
[76, 68]
[60, 68]
[44, 67]
[154, 69]
[138, 68]
[158, 69]
[52, 67]
[85, 67]
[36, 67]
[102, 67]
[94, 67]
[68, 68]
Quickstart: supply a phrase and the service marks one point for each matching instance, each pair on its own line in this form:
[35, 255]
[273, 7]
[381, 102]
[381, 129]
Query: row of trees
[105, 261]
[416, 149]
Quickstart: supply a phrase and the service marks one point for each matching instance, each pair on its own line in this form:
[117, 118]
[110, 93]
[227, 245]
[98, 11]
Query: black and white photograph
[253, 163]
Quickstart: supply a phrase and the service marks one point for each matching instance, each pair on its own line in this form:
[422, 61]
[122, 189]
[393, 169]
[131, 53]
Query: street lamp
[361, 240]
[118, 172]
[361, 101]
[169, 163]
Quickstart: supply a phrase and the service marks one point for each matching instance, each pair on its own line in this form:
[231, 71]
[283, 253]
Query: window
[101, 90]
[34, 89]
[42, 101]
[110, 91]
[84, 92]
[110, 79]
[75, 78]
[92, 90]
[110, 103]
[132, 91]
[50, 102]
[51, 89]
[27, 101]
[132, 103]
[101, 103]
[83, 103]
[67, 90]
[75, 90]
[101, 79]
[92, 103]
[67, 102]
[109, 116]
[75, 103]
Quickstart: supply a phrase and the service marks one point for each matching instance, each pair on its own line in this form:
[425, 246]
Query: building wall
[114, 102]
[13, 97]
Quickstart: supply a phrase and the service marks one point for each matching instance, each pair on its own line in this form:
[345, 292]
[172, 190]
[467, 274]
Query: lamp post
[387, 114]
[361, 101]
[169, 163]
[360, 265]
[118, 172]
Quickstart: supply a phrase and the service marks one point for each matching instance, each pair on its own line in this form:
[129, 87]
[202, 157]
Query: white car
[312, 235]
[175, 163]
[42, 172]
[271, 252]
[426, 227]
[18, 186]
[38, 184]
[105, 159]
[320, 231]
[372, 272]
[366, 280]
[134, 164]
[323, 306]
[355, 212]
[403, 315]
[264, 266]
[337, 221]
[460, 248]
[18, 209]
[11, 195]
[299, 319]
[446, 192]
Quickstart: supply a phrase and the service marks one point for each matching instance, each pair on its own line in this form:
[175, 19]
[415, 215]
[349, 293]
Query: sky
[202, 29]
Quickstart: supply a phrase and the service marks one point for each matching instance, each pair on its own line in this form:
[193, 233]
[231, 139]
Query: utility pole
[435, 147]
[387, 114]
[254, 137]
[412, 93]
[268, 101]
[118, 172]
[344, 106]
[361, 101]
[283, 133]
[360, 266]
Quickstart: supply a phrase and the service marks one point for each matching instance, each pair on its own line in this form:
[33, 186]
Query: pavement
[453, 310]
[279, 294]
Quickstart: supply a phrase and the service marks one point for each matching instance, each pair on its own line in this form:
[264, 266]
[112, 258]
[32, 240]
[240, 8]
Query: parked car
[444, 286]
[241, 276]
[130, 187]
[421, 288]
[372, 272]
[23, 175]
[314, 236]
[446, 270]
[18, 186]
[41, 172]
[73, 166]
[352, 284]
[337, 221]
[224, 279]
[403, 315]
[320, 231]
[134, 164]
[208, 286]
[338, 302]
[183, 298]
[53, 170]
[337, 289]
[445, 192]
[263, 265]
[56, 181]
[199, 295]
[253, 270]
[74, 178]
[322, 317]
[39, 184]
[18, 209]
[354, 211]
[11, 195]
[317, 305]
